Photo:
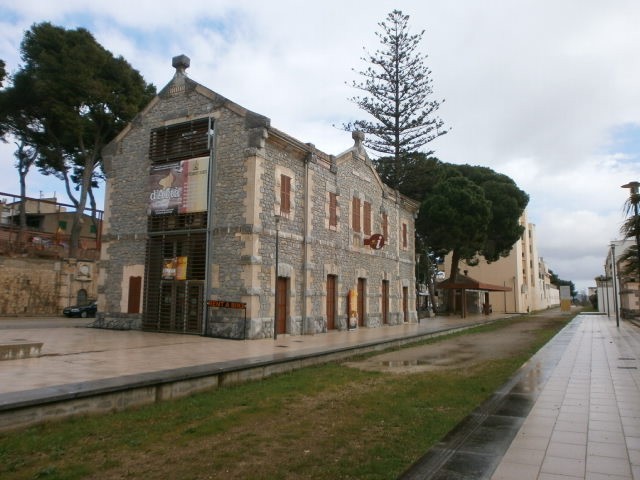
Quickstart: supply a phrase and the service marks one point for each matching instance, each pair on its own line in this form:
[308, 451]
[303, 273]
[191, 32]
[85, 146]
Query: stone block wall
[39, 287]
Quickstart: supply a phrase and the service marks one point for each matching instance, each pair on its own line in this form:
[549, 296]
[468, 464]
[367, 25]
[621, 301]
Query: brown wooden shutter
[356, 214]
[333, 210]
[285, 194]
[366, 212]
[404, 235]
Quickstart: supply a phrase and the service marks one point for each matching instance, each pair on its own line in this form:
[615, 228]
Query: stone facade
[250, 165]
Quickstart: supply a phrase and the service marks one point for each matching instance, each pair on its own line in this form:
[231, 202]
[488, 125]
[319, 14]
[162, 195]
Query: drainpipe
[305, 233]
[211, 140]
[615, 286]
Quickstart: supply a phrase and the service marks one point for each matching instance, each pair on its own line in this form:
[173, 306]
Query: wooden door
[135, 289]
[281, 294]
[331, 302]
[405, 303]
[385, 302]
[362, 301]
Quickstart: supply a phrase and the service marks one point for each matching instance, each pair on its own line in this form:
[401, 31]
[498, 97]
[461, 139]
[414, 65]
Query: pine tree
[397, 94]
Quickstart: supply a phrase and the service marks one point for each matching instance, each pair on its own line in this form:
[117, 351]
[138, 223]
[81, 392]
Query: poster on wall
[179, 187]
[169, 268]
[174, 268]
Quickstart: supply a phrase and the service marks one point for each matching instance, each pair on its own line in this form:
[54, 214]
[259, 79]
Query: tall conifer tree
[397, 94]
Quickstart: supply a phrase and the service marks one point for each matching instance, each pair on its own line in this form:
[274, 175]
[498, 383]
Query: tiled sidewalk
[585, 423]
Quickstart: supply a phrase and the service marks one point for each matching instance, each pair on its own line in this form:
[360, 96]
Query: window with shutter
[333, 210]
[355, 213]
[366, 213]
[285, 194]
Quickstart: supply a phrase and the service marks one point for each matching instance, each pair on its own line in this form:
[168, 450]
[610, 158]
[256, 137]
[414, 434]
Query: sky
[544, 91]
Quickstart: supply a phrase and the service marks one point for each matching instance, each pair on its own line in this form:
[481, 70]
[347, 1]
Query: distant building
[523, 271]
[618, 294]
[212, 214]
[37, 275]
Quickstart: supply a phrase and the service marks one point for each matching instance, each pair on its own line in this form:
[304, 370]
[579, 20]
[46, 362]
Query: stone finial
[181, 63]
[358, 138]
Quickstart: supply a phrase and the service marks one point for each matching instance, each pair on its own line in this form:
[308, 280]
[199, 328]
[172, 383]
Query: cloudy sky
[545, 91]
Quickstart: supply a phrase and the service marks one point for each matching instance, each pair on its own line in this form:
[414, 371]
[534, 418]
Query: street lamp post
[615, 281]
[275, 297]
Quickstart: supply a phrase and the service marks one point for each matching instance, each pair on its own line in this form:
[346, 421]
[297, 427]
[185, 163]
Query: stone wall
[35, 286]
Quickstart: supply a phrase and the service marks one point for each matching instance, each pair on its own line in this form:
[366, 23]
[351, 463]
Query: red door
[331, 302]
[281, 294]
[135, 287]
[362, 290]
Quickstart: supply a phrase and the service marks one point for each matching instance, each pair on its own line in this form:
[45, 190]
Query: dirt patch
[458, 352]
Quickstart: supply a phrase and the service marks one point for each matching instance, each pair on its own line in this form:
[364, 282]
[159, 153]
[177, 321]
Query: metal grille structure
[176, 248]
[175, 274]
[181, 141]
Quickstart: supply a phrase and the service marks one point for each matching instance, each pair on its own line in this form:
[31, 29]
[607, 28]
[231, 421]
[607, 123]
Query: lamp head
[633, 186]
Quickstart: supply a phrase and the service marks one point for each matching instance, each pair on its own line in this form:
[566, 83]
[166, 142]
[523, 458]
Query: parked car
[83, 311]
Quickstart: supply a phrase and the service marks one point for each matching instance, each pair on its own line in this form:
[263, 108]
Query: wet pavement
[572, 412]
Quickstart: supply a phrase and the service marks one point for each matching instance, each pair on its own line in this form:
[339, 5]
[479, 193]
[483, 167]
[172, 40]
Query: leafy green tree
[508, 203]
[455, 218]
[3, 72]
[18, 123]
[471, 211]
[397, 94]
[81, 97]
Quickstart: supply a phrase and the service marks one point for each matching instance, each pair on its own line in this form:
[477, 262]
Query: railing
[49, 239]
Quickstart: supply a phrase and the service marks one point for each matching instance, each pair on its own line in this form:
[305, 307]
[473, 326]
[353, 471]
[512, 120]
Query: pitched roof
[460, 281]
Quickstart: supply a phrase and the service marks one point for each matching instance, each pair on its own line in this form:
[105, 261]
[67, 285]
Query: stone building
[216, 223]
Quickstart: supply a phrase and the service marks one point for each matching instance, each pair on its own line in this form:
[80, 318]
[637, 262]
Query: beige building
[523, 272]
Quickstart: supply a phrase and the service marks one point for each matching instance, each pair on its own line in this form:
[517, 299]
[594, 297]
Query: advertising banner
[179, 187]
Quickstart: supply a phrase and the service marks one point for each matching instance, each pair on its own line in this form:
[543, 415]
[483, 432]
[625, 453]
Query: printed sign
[179, 187]
[174, 268]
[376, 241]
[226, 304]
